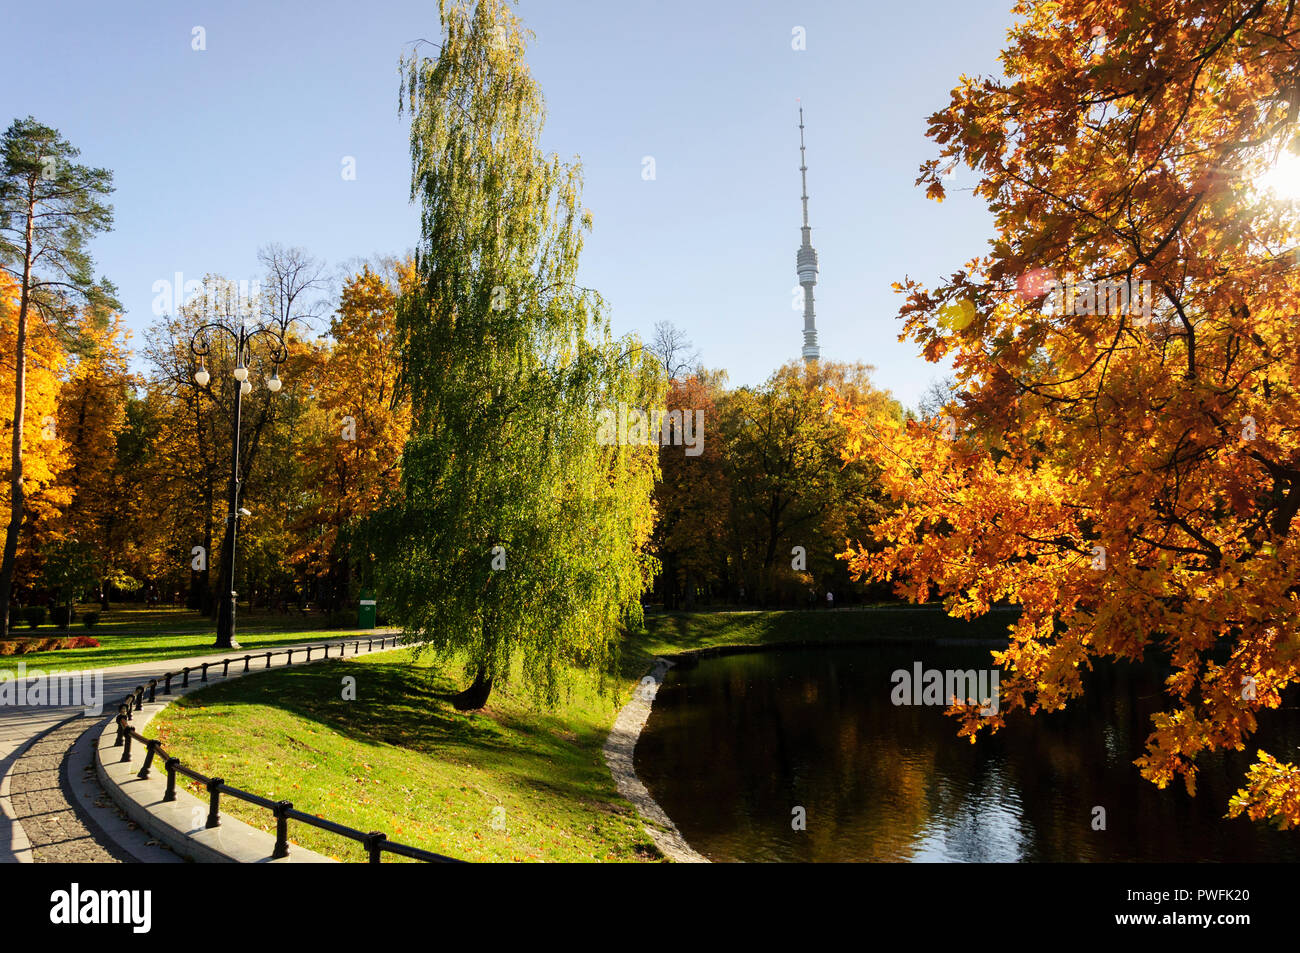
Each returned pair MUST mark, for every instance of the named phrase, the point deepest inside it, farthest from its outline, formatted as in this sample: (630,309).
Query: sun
(1283,177)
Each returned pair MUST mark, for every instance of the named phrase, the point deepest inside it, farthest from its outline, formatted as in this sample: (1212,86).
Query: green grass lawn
(130,617)
(400,759)
(129,648)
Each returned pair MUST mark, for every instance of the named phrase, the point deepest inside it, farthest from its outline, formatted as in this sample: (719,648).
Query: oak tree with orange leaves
(1122,460)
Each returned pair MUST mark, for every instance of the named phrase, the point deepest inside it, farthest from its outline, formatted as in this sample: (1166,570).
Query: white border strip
(619,748)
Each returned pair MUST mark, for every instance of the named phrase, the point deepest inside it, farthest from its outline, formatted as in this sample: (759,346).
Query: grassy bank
(683,631)
(509,783)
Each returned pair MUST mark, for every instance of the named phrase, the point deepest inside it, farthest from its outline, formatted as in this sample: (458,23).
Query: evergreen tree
(50,207)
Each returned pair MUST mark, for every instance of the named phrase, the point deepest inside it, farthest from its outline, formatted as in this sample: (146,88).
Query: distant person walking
(830,599)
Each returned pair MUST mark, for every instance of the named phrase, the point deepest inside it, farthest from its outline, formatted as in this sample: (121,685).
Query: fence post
(247,659)
(282,809)
(309,653)
(152,745)
(139,698)
(268,659)
(126,739)
(372,842)
(185,679)
(167,684)
(121,726)
(205,671)
(170,765)
(289,652)
(214,802)
(225,668)
(153,688)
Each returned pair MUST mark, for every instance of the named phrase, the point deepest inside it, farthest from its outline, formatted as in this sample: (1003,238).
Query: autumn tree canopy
(1128,475)
(350,446)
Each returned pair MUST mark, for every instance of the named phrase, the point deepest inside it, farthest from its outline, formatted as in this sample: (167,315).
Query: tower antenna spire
(803,169)
(806,261)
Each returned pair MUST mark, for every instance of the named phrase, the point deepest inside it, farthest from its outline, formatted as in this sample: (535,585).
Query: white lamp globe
(241,373)
(246,387)
(201,377)
(273,384)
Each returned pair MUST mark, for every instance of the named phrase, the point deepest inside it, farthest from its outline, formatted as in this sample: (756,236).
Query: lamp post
(200,347)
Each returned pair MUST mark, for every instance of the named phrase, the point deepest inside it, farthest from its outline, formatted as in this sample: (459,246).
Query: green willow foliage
(507,362)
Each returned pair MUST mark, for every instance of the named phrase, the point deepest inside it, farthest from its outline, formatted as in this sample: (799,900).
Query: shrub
(34,616)
(28,646)
(89,619)
(63,616)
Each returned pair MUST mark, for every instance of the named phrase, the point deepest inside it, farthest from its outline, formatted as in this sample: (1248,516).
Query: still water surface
(737,742)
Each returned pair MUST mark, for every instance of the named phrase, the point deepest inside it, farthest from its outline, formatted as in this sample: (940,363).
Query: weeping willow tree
(519,536)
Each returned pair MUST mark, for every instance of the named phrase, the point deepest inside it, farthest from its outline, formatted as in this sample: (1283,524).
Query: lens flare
(1283,178)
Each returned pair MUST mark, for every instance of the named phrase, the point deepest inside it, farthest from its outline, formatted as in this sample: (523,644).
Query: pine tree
(49,208)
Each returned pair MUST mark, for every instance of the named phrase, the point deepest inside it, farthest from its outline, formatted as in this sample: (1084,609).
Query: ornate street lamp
(200,347)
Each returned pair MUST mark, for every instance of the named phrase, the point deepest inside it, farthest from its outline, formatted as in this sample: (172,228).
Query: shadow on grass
(403,704)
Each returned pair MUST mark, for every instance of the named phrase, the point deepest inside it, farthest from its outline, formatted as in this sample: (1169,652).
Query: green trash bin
(366,610)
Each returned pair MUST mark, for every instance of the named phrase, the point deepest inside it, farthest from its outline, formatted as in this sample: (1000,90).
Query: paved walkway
(38,822)
(57,832)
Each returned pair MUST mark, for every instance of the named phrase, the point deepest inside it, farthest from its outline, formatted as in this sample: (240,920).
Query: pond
(737,743)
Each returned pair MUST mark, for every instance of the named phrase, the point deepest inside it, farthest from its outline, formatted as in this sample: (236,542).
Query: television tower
(806,264)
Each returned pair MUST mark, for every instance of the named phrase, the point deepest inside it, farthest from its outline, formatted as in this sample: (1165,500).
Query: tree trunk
(16,501)
(476,695)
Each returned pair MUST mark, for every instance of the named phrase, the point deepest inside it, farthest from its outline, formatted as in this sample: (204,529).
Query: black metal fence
(374,842)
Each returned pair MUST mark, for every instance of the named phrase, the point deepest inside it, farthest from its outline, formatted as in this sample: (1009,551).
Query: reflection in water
(736,743)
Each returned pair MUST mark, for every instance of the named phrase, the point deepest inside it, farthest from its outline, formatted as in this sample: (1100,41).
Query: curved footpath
(52,808)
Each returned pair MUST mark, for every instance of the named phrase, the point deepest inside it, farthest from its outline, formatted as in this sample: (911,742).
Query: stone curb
(100,813)
(619,749)
(180,823)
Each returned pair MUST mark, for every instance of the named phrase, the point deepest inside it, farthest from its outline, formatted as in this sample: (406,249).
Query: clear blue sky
(221,151)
